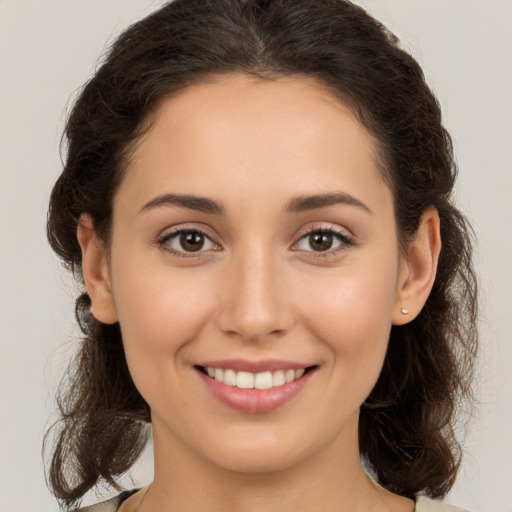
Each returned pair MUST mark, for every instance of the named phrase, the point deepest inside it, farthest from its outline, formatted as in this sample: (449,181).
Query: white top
(423,504)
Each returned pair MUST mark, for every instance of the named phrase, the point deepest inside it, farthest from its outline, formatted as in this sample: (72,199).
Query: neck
(324,482)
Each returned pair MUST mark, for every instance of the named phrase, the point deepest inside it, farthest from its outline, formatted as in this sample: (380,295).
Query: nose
(255,299)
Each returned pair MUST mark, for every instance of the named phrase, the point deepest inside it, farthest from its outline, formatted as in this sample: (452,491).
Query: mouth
(255,391)
(249,380)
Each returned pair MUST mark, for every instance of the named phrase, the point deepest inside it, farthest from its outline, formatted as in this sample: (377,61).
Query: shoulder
(426,504)
(110,505)
(423,504)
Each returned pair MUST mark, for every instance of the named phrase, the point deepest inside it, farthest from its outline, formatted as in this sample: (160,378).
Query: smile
(255,387)
(248,380)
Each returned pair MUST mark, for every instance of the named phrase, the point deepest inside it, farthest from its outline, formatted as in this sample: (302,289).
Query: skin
(258,290)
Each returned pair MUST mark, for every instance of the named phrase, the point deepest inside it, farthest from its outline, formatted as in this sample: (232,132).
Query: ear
(96,272)
(418,269)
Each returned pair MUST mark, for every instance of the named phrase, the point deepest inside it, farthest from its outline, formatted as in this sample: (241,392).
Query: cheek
(360,301)
(159,315)
(351,314)
(352,321)
(159,312)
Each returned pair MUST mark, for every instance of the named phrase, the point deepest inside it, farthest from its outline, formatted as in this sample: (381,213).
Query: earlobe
(96,272)
(419,269)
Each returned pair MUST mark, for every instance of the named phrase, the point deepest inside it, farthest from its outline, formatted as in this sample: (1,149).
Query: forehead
(253,134)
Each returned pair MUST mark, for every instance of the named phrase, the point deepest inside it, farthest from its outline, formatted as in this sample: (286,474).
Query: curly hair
(407,424)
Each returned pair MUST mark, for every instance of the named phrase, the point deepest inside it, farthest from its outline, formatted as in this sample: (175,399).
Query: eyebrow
(305,203)
(296,205)
(191,202)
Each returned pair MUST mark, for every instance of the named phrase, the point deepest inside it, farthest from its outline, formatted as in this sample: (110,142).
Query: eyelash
(163,241)
(345,242)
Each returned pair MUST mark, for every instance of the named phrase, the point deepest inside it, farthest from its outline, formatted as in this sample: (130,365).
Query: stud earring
(404,311)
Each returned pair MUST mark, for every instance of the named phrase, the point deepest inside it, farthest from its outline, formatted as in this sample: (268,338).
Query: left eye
(187,241)
(322,241)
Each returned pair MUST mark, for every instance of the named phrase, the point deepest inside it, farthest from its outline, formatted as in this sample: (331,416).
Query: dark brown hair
(407,423)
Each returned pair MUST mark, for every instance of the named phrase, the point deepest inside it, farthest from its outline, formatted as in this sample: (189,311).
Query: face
(254,239)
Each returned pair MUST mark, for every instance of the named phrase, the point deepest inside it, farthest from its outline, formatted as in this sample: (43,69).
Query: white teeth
(247,380)
(263,380)
(278,378)
(244,380)
(230,377)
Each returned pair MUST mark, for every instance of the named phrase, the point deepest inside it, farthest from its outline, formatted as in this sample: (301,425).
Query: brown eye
(321,241)
(192,241)
(187,241)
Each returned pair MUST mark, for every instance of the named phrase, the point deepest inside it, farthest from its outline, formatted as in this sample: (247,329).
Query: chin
(259,452)
(259,460)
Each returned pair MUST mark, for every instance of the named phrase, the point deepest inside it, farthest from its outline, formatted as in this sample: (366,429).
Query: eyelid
(167,235)
(343,235)
(346,239)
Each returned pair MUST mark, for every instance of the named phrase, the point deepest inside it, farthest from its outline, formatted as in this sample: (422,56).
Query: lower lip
(255,401)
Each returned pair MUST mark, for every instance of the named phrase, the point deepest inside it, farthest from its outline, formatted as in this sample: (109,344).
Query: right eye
(187,242)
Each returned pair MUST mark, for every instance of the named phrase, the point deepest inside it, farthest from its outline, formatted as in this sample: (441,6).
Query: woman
(256,199)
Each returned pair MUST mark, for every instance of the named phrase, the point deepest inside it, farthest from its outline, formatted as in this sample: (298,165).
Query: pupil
(192,242)
(320,241)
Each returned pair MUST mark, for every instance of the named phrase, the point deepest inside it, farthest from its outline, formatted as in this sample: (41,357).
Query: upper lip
(244,365)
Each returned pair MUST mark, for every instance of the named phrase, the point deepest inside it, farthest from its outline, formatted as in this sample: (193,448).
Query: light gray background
(47,50)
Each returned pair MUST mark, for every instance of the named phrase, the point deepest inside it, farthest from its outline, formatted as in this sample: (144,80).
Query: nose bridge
(253,305)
